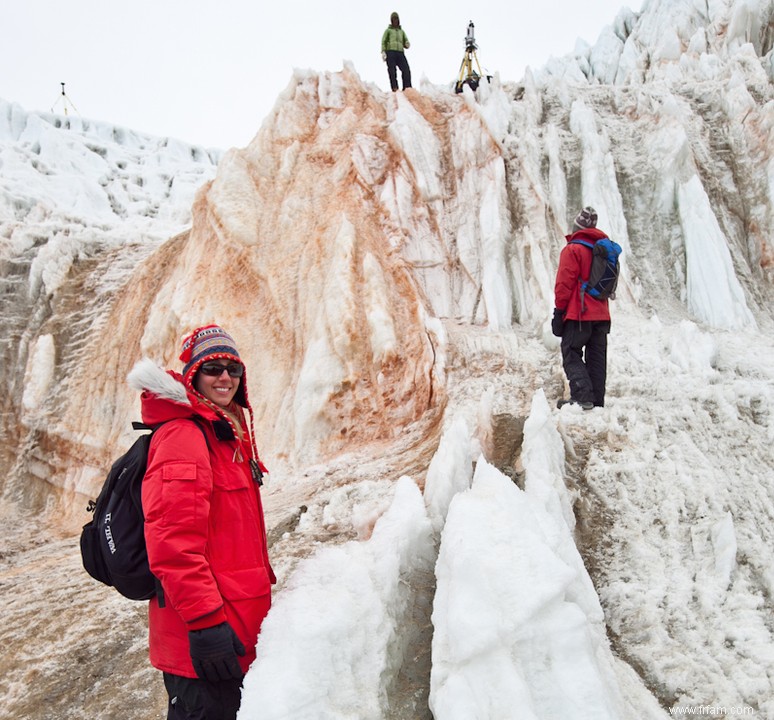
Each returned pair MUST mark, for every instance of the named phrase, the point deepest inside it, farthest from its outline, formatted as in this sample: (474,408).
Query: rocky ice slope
(389,263)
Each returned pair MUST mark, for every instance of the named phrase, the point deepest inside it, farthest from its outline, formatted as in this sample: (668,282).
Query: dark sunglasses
(215,369)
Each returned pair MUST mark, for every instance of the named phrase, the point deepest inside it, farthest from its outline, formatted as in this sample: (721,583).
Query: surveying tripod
(469,76)
(65,102)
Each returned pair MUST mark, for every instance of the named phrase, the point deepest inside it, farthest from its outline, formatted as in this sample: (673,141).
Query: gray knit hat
(586,218)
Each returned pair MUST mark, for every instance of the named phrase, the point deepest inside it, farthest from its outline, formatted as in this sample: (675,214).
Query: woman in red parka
(204,526)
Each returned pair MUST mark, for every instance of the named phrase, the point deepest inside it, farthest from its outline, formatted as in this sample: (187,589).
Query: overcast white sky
(208,72)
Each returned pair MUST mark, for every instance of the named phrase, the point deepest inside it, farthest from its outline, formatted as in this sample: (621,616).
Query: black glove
(214,653)
(557,322)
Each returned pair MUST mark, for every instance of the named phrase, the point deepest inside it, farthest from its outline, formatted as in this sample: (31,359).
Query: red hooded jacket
(574,268)
(204,525)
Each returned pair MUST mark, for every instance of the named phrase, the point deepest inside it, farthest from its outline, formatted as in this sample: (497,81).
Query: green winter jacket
(394,39)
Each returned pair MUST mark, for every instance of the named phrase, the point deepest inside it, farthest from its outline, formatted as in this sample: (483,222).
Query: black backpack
(113,543)
(605,267)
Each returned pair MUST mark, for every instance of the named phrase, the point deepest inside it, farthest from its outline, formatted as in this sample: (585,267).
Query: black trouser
(195,699)
(587,375)
(397,59)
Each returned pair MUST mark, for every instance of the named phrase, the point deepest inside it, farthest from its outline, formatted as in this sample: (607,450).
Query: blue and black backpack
(605,267)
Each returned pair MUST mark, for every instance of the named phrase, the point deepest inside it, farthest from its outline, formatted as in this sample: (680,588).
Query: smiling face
(219,389)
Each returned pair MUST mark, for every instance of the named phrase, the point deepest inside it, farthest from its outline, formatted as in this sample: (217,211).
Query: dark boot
(585,405)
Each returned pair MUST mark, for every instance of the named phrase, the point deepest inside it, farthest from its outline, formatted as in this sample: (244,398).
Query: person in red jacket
(204,526)
(584,324)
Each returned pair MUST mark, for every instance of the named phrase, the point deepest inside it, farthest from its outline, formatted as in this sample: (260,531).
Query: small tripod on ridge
(65,102)
(468,76)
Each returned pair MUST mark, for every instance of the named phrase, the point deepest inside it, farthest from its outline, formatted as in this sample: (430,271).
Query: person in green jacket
(394,42)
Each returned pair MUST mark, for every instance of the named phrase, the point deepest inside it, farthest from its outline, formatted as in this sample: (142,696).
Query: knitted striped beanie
(210,342)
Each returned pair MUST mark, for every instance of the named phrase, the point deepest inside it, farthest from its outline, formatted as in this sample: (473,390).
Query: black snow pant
(397,59)
(586,372)
(195,699)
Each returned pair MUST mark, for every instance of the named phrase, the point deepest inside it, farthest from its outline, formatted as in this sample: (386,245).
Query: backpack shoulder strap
(584,283)
(585,243)
(195,419)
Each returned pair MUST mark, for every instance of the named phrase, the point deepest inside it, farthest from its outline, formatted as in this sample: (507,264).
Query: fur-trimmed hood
(165,397)
(146,376)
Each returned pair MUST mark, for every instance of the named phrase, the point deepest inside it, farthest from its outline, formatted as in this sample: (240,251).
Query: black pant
(195,699)
(397,59)
(587,375)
